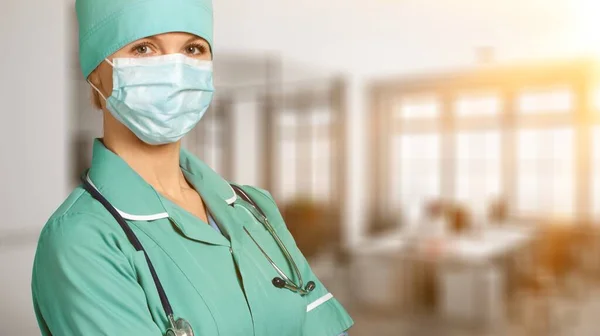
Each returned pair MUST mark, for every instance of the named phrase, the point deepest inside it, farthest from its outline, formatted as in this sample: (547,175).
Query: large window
(481,104)
(416,167)
(418,107)
(543,101)
(305,154)
(206,140)
(287,156)
(545,172)
(212,144)
(525,135)
(321,155)
(248,147)
(478,165)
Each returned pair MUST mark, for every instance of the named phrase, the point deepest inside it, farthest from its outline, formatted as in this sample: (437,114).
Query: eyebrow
(195,38)
(157,39)
(148,38)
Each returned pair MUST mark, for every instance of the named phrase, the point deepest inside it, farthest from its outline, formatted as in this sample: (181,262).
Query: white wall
(390,36)
(32,143)
(34,109)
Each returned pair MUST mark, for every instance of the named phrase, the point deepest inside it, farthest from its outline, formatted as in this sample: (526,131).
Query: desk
(384,265)
(473,276)
(377,269)
(490,244)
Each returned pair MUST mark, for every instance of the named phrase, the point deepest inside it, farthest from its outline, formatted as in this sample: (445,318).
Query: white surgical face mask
(160,98)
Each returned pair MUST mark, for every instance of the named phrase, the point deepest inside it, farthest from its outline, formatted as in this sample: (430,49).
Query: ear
(94,78)
(97,102)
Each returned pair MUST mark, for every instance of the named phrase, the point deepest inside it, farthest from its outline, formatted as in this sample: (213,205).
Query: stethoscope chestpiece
(180,327)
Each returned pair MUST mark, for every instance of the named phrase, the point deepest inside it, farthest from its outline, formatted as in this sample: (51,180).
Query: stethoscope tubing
(265,221)
(164,300)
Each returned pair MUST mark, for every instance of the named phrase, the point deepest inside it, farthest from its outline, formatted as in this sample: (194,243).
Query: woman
(154,240)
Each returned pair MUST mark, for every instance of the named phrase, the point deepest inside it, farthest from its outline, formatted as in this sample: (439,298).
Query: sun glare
(585,19)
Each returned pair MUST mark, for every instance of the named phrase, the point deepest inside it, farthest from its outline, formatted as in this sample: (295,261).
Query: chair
(312,225)
(498,211)
(458,218)
(544,280)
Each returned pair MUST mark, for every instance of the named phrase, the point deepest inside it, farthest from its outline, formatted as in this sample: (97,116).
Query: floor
(576,319)
(569,318)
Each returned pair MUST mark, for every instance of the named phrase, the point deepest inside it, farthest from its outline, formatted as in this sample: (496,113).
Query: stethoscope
(180,326)
(282,281)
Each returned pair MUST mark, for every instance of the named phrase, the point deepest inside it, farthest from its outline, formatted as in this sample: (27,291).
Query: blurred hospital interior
(438,162)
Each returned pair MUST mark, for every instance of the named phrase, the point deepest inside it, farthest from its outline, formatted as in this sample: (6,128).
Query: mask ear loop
(94,86)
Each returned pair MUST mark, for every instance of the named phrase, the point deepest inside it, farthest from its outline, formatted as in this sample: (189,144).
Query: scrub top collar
(134,198)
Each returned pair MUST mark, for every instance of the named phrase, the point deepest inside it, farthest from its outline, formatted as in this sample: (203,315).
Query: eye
(142,49)
(195,49)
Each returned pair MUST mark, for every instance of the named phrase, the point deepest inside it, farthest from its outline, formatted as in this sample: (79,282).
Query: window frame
(200,143)
(508,81)
(306,105)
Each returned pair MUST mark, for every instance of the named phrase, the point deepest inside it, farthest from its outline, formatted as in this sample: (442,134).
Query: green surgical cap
(106,26)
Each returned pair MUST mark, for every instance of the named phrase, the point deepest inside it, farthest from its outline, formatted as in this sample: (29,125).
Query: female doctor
(154,242)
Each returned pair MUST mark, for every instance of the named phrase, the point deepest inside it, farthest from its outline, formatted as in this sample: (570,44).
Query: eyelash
(138,46)
(201,47)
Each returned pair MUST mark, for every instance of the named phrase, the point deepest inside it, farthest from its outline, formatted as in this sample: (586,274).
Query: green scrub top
(89,280)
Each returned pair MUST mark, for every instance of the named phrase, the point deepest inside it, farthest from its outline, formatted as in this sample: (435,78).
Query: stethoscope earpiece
(280,283)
